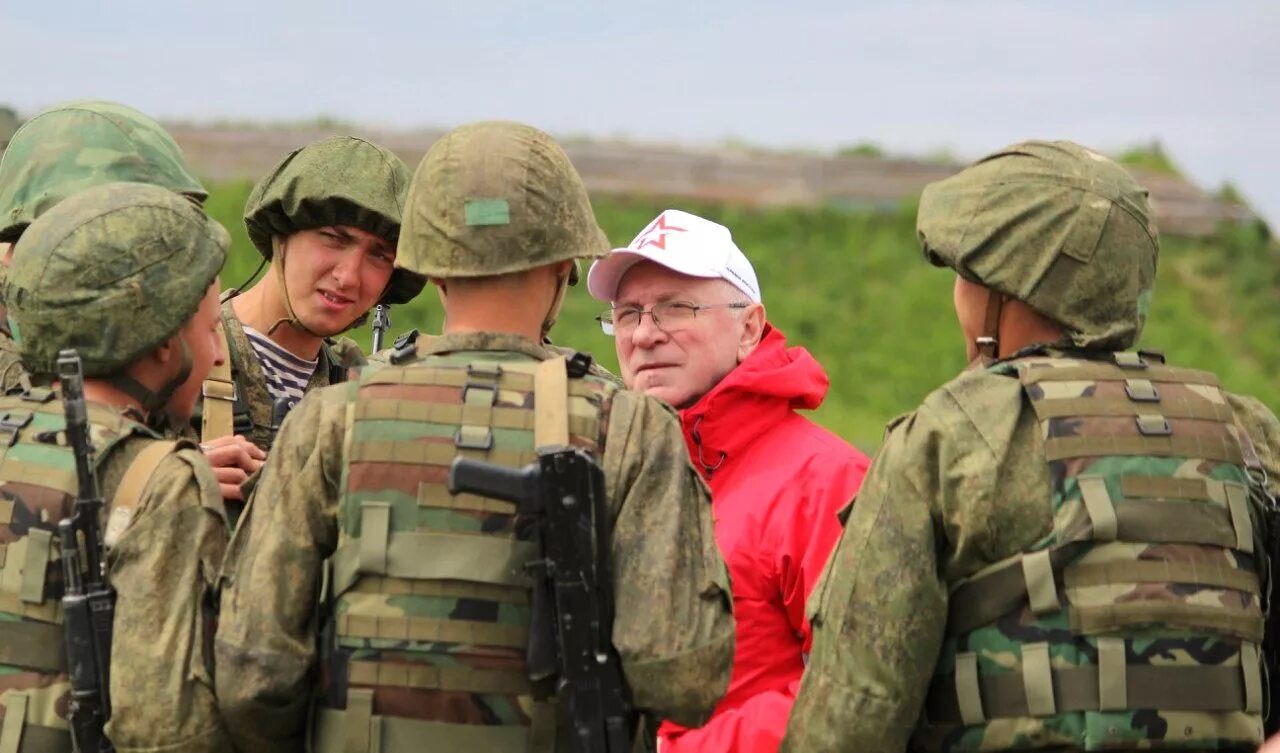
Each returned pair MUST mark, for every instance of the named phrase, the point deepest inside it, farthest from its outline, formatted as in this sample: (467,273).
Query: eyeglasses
(670,316)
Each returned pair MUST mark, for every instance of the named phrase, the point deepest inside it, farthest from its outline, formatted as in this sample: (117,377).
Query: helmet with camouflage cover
(495,197)
(342,180)
(77,145)
(1055,225)
(113,272)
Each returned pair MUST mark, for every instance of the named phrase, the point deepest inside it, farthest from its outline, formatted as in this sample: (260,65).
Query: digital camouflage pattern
(1054,225)
(112,272)
(389,438)
(342,180)
(496,197)
(163,565)
(77,145)
(962,484)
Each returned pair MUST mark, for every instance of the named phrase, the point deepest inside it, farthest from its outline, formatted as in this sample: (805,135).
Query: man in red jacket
(691,329)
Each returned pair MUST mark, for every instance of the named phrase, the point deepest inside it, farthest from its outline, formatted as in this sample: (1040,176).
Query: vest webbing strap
(1222,448)
(551,403)
(381,409)
(33,645)
(1246,624)
(427,629)
(424,555)
(35,565)
(1103,372)
(1004,695)
(373,584)
(1215,574)
(437,496)
(422,453)
(435,376)
(15,718)
(427,677)
(396,735)
(1101,406)
(140,470)
(37,474)
(217,412)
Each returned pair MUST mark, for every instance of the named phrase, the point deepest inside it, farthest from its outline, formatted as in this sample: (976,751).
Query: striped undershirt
(287,375)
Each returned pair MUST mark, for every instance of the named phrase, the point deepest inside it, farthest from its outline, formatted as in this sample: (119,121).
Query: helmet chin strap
(155,403)
(988,343)
(562,289)
(277,247)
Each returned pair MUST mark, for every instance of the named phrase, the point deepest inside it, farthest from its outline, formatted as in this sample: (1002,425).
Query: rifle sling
(551,403)
(219,392)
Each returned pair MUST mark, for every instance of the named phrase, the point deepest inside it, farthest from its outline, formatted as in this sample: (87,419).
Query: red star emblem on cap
(661,230)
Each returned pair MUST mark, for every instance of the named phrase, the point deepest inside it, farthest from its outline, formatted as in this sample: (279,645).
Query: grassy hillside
(855,290)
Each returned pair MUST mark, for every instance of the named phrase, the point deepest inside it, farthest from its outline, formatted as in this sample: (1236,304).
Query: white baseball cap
(681,242)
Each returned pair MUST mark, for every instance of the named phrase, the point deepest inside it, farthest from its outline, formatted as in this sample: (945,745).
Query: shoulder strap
(551,403)
(219,390)
(136,476)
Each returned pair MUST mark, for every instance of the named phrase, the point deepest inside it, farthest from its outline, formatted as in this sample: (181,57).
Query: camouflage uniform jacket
(673,627)
(11,368)
(163,564)
(254,406)
(959,484)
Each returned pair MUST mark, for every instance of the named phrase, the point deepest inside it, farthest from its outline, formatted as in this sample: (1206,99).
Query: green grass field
(855,290)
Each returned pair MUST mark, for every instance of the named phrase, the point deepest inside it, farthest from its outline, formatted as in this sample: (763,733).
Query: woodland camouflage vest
(1136,621)
(427,602)
(38,488)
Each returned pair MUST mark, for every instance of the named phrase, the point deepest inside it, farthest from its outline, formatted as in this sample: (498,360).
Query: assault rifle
(88,602)
(381,324)
(560,504)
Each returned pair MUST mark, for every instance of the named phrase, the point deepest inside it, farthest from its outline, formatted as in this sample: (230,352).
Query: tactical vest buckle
(578,364)
(1141,391)
(1126,360)
(405,338)
(1153,425)
(36,395)
(11,423)
(473,438)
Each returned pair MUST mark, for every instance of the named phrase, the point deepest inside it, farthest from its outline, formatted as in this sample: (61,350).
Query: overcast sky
(1203,77)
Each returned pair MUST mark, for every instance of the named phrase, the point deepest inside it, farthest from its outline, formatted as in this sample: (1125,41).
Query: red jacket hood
(773,381)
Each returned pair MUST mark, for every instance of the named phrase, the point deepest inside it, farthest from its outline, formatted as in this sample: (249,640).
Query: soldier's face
(201,335)
(679,362)
(335,275)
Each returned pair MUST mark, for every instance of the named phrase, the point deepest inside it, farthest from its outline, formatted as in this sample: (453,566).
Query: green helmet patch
(342,180)
(1055,225)
(113,272)
(496,197)
(77,145)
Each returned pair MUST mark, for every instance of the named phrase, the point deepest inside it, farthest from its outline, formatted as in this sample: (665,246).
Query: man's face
(335,275)
(201,336)
(678,363)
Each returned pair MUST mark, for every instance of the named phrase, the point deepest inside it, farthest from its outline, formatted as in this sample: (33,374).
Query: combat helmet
(77,145)
(1055,225)
(496,197)
(113,272)
(342,180)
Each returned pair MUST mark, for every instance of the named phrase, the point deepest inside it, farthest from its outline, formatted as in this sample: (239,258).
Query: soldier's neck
(105,393)
(260,307)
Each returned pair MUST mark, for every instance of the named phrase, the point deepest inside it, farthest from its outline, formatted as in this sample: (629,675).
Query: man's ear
(753,320)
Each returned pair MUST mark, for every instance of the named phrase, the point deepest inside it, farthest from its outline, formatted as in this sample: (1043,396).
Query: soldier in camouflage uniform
(125,273)
(425,608)
(68,148)
(1059,549)
(332,211)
